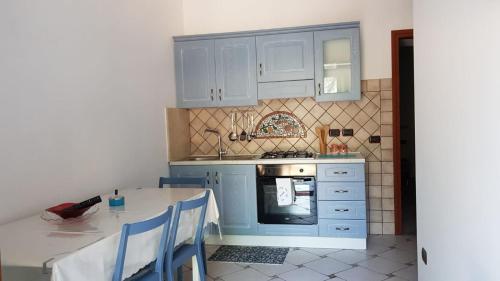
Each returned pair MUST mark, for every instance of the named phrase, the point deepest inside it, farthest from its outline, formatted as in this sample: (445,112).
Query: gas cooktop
(287,154)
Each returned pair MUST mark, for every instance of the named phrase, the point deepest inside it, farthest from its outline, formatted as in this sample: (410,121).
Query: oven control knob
(301,170)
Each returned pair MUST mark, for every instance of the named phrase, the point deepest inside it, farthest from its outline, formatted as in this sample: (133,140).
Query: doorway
(403,132)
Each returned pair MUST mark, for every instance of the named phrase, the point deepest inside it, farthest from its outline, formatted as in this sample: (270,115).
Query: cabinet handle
(260,69)
(342,228)
(220,94)
(208,178)
(341,191)
(342,210)
(340,173)
(212,94)
(319,89)
(216,178)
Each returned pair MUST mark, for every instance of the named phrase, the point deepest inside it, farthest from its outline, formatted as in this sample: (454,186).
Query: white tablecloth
(87,251)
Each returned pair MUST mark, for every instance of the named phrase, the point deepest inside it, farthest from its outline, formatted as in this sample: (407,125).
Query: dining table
(33,249)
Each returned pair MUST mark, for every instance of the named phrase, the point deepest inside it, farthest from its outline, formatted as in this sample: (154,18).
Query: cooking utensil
(233,135)
(253,133)
(249,127)
(321,133)
(243,135)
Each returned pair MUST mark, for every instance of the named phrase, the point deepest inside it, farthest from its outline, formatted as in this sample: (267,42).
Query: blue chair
(186,181)
(182,181)
(150,273)
(177,256)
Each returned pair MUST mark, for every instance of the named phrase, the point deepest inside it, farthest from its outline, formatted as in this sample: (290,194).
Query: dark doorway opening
(404,131)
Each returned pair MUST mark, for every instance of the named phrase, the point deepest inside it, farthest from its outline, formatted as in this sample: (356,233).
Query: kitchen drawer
(342,228)
(341,190)
(354,210)
(341,172)
(288,230)
(286,89)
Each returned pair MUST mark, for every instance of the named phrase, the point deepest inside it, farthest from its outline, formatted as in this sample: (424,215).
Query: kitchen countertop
(351,158)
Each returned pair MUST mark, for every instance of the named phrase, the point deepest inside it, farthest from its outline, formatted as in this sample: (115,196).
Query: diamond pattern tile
(248,274)
(381,265)
(327,266)
(363,116)
(361,274)
(350,256)
(302,274)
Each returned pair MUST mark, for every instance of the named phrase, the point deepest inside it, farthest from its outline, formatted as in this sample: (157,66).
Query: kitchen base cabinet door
(236,195)
(341,172)
(193,172)
(342,209)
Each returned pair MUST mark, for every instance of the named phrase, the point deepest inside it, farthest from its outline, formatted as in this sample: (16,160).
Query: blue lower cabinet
(287,230)
(341,172)
(341,191)
(355,210)
(193,172)
(235,190)
(342,228)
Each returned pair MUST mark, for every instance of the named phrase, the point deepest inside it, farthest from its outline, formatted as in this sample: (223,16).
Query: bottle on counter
(116,200)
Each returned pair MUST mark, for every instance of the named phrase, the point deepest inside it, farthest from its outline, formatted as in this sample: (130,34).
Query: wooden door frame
(396,35)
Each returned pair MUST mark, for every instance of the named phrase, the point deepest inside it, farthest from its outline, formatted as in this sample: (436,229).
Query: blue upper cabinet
(212,73)
(337,65)
(285,57)
(238,68)
(195,73)
(235,65)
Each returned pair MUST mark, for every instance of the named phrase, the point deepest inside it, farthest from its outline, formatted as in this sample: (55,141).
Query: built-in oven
(303,208)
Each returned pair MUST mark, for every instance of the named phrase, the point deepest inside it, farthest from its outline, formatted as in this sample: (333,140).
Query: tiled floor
(390,258)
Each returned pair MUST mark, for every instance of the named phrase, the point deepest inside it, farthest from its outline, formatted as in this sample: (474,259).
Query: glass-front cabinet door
(337,63)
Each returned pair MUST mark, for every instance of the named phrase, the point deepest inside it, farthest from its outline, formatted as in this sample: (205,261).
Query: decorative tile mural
(372,115)
(280,124)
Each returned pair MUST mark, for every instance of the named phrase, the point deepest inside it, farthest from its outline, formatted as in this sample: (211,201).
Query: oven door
(302,211)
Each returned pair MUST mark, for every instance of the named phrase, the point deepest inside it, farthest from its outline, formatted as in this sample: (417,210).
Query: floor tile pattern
(388,258)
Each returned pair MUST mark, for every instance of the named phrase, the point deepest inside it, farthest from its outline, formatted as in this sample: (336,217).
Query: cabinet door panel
(341,172)
(235,191)
(285,57)
(342,210)
(193,172)
(286,89)
(342,228)
(195,73)
(341,190)
(337,65)
(235,65)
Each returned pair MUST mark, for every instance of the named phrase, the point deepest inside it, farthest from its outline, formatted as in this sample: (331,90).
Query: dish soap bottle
(116,200)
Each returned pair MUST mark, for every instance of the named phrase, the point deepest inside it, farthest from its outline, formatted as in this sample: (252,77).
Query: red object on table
(64,211)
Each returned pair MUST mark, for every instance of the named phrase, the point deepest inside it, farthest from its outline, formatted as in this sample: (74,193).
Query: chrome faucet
(221,151)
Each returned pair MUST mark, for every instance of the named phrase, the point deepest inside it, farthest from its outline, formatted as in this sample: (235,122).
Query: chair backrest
(186,206)
(182,181)
(141,227)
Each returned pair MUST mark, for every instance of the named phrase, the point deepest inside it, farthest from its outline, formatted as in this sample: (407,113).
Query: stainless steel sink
(216,158)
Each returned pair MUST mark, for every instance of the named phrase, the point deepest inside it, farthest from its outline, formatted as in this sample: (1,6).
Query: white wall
(377,19)
(83,86)
(457,133)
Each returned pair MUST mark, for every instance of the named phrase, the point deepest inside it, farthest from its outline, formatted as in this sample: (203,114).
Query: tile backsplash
(370,116)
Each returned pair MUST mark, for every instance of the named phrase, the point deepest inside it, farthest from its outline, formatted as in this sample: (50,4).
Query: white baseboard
(288,241)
